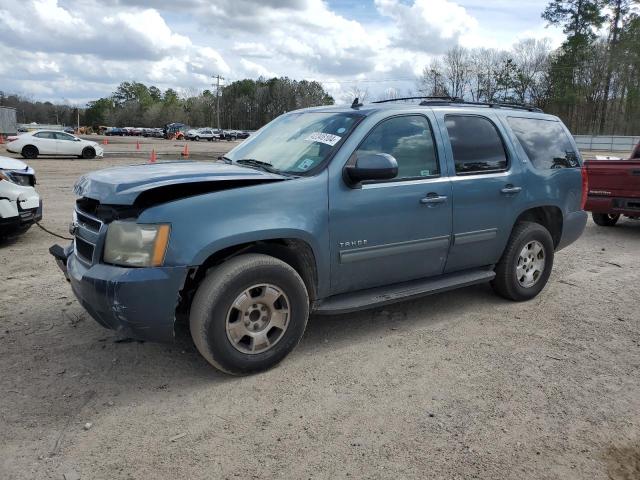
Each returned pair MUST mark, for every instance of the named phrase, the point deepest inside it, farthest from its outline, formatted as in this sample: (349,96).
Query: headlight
(136,245)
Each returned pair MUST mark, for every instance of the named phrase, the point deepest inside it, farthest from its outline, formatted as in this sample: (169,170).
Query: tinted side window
(409,140)
(45,135)
(545,142)
(64,136)
(476,144)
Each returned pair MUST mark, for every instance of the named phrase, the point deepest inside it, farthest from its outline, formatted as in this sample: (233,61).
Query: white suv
(53,142)
(20,204)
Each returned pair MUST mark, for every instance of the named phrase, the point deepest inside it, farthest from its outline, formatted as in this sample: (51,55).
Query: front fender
(205,224)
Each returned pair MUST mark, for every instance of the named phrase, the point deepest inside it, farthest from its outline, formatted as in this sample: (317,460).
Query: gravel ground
(457,385)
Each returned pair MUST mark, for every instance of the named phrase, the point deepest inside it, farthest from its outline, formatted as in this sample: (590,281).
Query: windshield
(296,142)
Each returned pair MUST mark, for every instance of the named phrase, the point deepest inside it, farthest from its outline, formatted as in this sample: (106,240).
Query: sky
(74,51)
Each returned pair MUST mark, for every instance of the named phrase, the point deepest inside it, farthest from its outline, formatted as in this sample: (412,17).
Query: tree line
(592,81)
(243,104)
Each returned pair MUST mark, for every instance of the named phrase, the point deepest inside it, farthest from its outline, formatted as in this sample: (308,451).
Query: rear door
(46,143)
(487,183)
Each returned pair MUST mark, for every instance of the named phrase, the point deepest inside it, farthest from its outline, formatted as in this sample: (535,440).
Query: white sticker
(305,164)
(325,138)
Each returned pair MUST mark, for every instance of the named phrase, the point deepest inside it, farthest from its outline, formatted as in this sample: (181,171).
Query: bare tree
(457,69)
(432,81)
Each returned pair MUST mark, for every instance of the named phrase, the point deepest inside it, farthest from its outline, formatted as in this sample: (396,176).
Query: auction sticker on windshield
(325,138)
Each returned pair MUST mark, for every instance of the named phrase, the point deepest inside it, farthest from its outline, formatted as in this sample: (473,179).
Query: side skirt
(379,296)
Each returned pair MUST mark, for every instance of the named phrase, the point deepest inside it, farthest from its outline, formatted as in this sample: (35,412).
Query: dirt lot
(457,385)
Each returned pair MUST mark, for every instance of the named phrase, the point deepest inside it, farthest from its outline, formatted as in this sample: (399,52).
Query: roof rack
(446,100)
(440,98)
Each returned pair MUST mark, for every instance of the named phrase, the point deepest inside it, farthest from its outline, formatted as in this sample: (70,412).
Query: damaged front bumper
(137,302)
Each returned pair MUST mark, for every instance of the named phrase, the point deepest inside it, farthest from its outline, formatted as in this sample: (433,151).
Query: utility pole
(217,85)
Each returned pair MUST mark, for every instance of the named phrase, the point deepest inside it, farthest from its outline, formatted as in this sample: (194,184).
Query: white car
(53,142)
(20,204)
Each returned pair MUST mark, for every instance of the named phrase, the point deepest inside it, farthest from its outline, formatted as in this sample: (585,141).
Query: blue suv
(325,210)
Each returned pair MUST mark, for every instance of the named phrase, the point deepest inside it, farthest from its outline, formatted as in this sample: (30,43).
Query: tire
(214,306)
(30,152)
(88,153)
(605,219)
(197,139)
(515,274)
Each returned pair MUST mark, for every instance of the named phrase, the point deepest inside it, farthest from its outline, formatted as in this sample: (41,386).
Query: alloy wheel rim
(258,318)
(530,264)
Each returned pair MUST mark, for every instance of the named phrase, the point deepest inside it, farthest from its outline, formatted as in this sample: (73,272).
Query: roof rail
(446,100)
(444,97)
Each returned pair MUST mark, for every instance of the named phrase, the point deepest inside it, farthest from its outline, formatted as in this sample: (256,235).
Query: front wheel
(88,153)
(526,263)
(605,219)
(249,313)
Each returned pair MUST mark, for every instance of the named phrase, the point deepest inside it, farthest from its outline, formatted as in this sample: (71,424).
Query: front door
(67,144)
(392,231)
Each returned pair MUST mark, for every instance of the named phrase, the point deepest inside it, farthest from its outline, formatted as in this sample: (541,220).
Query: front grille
(88,222)
(84,249)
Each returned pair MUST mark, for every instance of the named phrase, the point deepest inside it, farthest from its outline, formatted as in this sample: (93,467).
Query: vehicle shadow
(337,331)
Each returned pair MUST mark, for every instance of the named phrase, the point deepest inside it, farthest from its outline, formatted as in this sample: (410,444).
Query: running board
(376,297)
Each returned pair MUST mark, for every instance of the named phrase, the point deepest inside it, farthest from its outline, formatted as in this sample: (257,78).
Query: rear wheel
(30,152)
(605,219)
(526,263)
(88,153)
(197,139)
(249,313)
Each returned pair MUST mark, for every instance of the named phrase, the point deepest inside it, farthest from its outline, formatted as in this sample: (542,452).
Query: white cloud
(430,26)
(84,48)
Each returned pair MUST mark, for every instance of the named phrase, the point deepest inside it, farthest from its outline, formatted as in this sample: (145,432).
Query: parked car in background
(20,204)
(70,130)
(202,134)
(50,142)
(614,189)
(115,131)
(327,210)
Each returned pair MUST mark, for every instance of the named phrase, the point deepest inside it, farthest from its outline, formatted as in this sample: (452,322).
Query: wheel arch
(293,251)
(549,216)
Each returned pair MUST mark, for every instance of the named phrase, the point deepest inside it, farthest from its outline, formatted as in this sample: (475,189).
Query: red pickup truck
(614,189)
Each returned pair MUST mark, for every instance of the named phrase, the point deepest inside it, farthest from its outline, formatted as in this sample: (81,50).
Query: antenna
(356,103)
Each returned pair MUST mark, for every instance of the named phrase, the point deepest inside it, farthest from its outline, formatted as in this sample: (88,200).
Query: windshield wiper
(251,162)
(225,159)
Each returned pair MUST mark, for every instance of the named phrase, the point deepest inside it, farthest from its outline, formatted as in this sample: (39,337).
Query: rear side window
(545,142)
(476,144)
(49,135)
(409,140)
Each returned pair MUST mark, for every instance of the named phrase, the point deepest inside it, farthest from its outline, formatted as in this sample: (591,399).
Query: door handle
(433,199)
(511,189)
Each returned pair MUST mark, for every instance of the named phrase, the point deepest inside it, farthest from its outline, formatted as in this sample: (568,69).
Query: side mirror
(370,166)
(77,139)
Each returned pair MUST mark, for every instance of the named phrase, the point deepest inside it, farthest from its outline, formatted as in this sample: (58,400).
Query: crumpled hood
(7,163)
(123,185)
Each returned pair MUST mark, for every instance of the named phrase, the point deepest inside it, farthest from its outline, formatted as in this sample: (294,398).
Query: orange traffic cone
(1,139)
(138,145)
(154,157)
(185,151)
(105,142)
